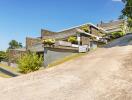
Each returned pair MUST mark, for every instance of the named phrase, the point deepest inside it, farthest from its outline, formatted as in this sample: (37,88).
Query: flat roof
(82,25)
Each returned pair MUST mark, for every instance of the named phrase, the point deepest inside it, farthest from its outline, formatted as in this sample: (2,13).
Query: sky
(25,18)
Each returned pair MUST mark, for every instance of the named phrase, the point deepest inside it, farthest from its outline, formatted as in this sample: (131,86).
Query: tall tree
(127,11)
(13,44)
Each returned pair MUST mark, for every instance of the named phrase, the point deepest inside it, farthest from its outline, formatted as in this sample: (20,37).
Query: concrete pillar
(78,39)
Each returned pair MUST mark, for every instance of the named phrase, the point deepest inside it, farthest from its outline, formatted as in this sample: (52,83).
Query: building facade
(66,42)
(114,26)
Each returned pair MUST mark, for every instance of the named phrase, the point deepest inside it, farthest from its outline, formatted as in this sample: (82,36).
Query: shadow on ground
(123,41)
(8,72)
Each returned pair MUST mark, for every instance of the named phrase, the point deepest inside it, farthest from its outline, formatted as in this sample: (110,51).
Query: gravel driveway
(101,75)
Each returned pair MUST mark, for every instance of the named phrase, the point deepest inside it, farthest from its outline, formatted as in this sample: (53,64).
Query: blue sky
(21,18)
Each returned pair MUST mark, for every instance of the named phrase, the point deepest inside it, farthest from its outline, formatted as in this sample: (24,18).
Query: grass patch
(12,69)
(4,75)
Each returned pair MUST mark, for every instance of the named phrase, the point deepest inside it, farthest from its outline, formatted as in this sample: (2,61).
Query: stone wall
(85,40)
(46,33)
(31,41)
(14,55)
(96,32)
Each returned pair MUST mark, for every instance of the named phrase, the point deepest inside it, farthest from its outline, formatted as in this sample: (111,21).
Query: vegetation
(4,75)
(12,69)
(3,55)
(13,44)
(85,28)
(130,24)
(115,35)
(29,63)
(49,42)
(72,39)
(127,11)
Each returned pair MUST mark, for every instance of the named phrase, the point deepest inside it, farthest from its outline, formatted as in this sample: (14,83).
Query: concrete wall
(51,55)
(93,45)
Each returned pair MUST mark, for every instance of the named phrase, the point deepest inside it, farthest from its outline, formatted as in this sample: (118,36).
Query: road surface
(105,74)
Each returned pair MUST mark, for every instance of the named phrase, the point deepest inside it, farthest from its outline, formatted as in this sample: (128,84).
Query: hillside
(105,74)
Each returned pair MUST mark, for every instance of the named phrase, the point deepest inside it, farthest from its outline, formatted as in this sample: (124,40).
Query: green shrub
(72,39)
(49,41)
(115,35)
(3,56)
(85,28)
(29,62)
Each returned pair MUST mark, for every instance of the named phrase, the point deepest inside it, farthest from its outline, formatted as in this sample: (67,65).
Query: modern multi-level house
(114,26)
(56,45)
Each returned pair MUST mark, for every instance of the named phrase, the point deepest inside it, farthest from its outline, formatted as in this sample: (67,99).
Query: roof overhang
(91,35)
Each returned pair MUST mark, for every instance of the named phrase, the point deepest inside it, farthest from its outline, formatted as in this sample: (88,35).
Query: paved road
(105,74)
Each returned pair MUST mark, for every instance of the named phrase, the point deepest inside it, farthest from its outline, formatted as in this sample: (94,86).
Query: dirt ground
(105,74)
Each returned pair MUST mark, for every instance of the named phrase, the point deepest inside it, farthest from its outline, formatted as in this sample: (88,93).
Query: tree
(121,17)
(3,55)
(20,45)
(129,22)
(127,11)
(13,44)
(30,62)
